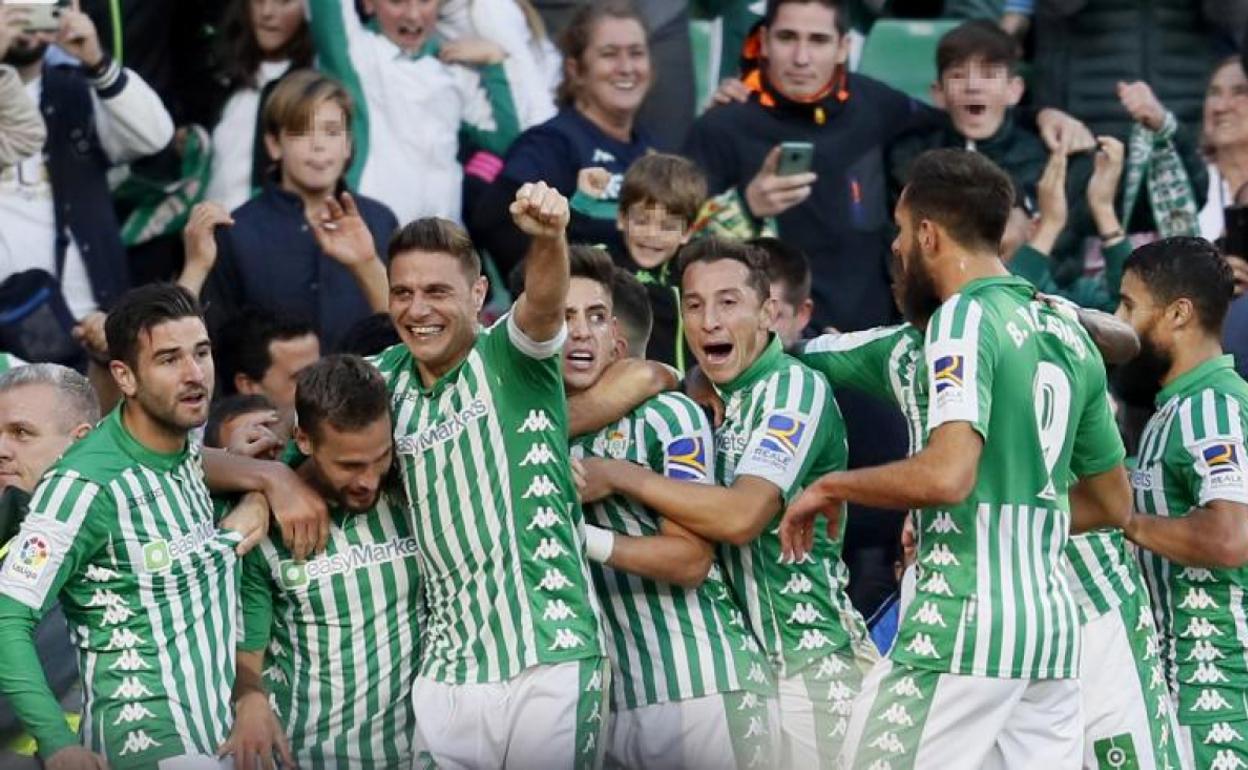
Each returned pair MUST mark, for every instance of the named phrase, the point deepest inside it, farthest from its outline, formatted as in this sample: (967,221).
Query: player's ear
(480,290)
(767,313)
(125,378)
(303,441)
(1182,313)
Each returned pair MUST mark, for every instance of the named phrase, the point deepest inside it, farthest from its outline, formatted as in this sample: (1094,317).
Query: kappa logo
(798,584)
(686,459)
(805,614)
(922,646)
(1197,575)
(133,712)
(131,688)
(554,580)
(1207,673)
(1222,733)
(942,524)
(130,662)
(897,715)
(783,434)
(541,486)
(97,574)
(928,615)
(813,639)
(558,610)
(275,673)
(535,422)
(906,688)
(749,644)
(880,764)
(565,639)
(938,585)
(756,728)
(889,742)
(1210,700)
(544,517)
(136,742)
(941,556)
(123,639)
(595,685)
(1200,628)
(1204,652)
(749,702)
(841,697)
(1227,759)
(830,667)
(105,598)
(1198,599)
(539,454)
(948,373)
(756,675)
(550,548)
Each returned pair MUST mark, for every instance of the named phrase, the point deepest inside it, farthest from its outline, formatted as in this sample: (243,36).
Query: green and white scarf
(1152,157)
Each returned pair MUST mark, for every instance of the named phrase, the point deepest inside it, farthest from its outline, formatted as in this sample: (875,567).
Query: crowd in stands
(262,154)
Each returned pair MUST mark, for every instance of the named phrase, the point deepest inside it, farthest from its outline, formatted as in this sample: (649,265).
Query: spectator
(240,421)
(22,132)
(56,213)
(531,55)
(281,251)
(1031,260)
(607,74)
(659,201)
(789,272)
(263,40)
(414,99)
(258,354)
(1225,142)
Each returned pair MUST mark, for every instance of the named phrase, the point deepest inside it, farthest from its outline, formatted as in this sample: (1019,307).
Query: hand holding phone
(772,191)
(795,158)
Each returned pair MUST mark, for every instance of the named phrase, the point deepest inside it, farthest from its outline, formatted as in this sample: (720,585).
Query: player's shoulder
(672,408)
(1216,409)
(97,458)
(843,342)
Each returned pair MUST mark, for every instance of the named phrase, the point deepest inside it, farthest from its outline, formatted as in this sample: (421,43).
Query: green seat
(902,53)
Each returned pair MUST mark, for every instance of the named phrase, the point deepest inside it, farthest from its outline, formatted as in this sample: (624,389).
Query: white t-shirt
(28,226)
(1212,220)
(233,140)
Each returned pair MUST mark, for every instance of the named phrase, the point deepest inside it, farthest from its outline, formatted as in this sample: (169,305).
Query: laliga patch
(949,379)
(686,459)
(780,443)
(1223,462)
(29,559)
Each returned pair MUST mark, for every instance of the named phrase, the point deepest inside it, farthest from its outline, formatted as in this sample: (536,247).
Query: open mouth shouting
(718,353)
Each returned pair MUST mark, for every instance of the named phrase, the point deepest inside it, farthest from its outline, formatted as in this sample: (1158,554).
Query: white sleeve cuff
(531,347)
(599,543)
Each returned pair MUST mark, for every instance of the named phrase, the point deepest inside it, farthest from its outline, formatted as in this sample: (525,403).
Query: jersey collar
(996,280)
(766,363)
(158,461)
(1195,375)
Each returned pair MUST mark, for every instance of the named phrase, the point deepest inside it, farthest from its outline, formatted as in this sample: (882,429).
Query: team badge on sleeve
(1224,464)
(783,434)
(686,459)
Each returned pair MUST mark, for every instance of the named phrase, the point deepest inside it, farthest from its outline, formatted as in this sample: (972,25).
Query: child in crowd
(978,86)
(659,201)
(294,250)
(416,99)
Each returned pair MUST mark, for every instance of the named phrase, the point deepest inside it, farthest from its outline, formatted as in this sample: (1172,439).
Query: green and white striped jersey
(341,635)
(126,537)
(781,424)
(992,596)
(1191,453)
(9,361)
(484,461)
(887,361)
(665,642)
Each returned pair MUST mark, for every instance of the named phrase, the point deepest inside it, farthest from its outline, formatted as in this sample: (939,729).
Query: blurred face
(591,344)
(1226,107)
(33,434)
(171,383)
(976,94)
(28,48)
(727,323)
(287,358)
(314,159)
(406,23)
(1139,380)
(791,320)
(613,75)
(275,23)
(652,234)
(434,306)
(1018,229)
(802,49)
(349,466)
(241,424)
(916,293)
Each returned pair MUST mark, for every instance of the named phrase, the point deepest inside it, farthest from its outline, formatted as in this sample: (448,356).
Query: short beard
(919,298)
(19,56)
(1138,381)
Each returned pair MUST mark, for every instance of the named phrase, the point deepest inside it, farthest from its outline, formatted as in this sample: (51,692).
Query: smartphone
(42,15)
(795,158)
(1236,243)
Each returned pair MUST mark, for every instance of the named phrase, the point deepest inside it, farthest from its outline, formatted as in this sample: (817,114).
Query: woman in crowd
(1226,142)
(264,39)
(606,76)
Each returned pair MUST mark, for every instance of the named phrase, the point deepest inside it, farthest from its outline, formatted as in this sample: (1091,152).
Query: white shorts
(547,718)
(728,731)
(815,706)
(925,720)
(1129,720)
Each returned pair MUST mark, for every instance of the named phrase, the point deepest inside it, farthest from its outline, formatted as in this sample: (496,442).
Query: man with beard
(781,430)
(984,667)
(331,644)
(122,530)
(56,211)
(1191,491)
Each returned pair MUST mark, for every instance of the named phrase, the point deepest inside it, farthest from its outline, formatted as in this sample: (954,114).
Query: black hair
(139,311)
(439,236)
(631,303)
(342,390)
(592,263)
(964,192)
(227,409)
(977,38)
(242,344)
(1186,268)
(788,266)
(716,249)
(838,7)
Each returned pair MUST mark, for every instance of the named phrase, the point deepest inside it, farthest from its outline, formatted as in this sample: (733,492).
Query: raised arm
(542,213)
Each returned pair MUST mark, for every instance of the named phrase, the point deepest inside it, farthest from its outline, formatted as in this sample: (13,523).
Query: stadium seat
(902,53)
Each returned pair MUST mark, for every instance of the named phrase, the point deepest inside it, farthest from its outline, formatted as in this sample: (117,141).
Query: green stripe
(333,53)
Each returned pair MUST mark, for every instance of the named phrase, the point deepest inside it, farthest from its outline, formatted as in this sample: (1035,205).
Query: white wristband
(599,543)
